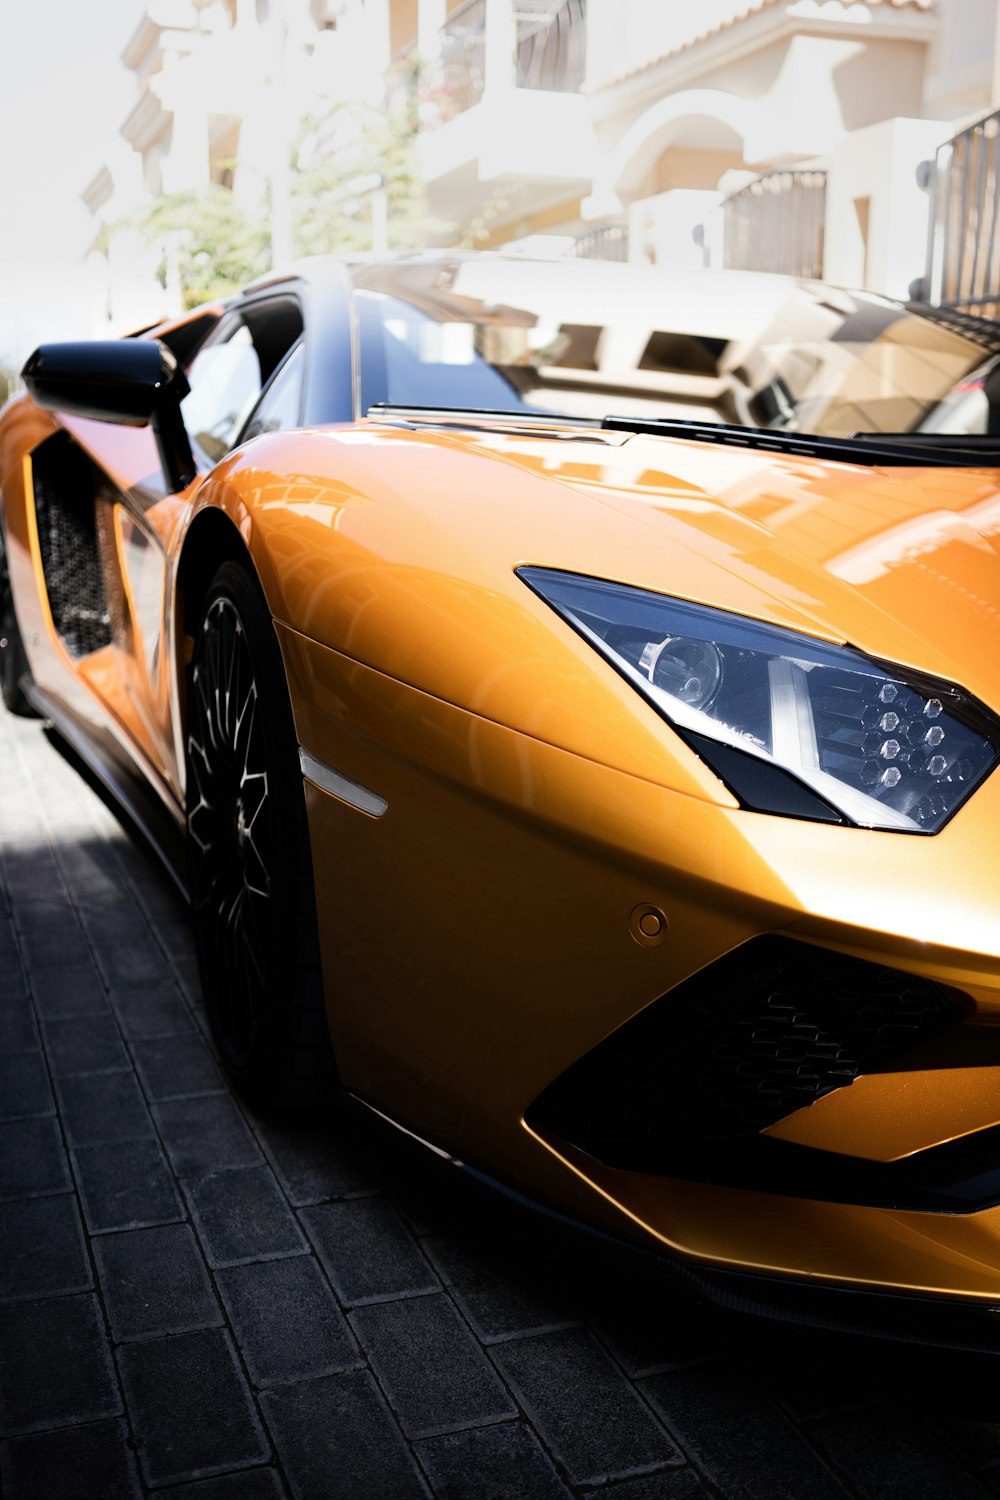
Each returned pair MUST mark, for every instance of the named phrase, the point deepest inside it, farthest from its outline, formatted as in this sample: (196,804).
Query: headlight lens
(876,745)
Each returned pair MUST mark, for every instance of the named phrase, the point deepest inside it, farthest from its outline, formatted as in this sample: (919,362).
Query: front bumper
(477,944)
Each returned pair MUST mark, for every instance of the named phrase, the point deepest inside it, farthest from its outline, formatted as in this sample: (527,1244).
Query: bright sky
(64,92)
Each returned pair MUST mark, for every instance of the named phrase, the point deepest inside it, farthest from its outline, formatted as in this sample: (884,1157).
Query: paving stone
(151,1010)
(125,956)
(888,1455)
(367,1252)
(84,1044)
(315,1159)
(669,1484)
(249,1484)
(89,870)
(491,1463)
(804,1372)
(154,1283)
(98,1107)
(54,1365)
(24,1086)
(75,991)
(432,1199)
(500,1297)
(32,1159)
(125,1186)
(39,901)
(177,1066)
(431,1368)
(739,1441)
(8,937)
(165,909)
(286,1320)
(74,1463)
(339,1425)
(648,1328)
(241,1215)
(955,1394)
(184,967)
(43,1250)
(204,1134)
(190,1408)
(588,1414)
(18,1032)
(52,940)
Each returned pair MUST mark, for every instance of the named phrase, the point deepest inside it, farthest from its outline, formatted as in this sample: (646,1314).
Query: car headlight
(792,725)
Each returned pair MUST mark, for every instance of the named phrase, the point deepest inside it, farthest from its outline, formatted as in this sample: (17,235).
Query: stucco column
(185,164)
(431,16)
(378,47)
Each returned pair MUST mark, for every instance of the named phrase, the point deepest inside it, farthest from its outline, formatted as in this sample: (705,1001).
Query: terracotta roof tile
(753,7)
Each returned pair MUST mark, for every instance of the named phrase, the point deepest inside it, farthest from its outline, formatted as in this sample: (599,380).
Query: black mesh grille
(66,487)
(769,1028)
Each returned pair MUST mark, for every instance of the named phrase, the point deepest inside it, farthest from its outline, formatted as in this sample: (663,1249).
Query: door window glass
(281,404)
(225,382)
(229,373)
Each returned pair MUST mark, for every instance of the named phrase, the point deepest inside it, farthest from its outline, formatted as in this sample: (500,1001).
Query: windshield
(593,339)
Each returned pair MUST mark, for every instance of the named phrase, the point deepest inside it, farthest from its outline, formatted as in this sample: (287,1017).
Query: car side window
(280,407)
(225,381)
(230,372)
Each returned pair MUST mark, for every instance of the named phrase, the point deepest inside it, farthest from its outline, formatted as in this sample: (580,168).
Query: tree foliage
(214,243)
(339,153)
(208,239)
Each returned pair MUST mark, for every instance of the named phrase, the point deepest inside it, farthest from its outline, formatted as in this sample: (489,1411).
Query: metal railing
(776,223)
(462,64)
(551,45)
(963,248)
(549,52)
(606,242)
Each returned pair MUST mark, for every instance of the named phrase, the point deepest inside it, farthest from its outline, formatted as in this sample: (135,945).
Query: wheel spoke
(229,828)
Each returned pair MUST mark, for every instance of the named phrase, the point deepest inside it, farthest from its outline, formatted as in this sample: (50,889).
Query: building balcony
(500,99)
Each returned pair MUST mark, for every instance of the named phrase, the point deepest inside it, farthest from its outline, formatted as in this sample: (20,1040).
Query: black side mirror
(127,381)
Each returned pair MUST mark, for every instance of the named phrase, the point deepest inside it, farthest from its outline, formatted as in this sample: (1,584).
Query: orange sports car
(569,695)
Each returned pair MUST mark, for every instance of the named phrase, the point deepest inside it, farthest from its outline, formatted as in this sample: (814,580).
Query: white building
(606,126)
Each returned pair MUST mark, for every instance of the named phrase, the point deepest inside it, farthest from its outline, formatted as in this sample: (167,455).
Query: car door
(104,529)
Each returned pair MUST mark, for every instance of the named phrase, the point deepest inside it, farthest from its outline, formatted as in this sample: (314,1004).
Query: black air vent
(66,486)
(771,1027)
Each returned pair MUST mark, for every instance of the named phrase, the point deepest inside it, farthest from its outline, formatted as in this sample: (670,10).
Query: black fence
(608,242)
(963,248)
(777,223)
(550,50)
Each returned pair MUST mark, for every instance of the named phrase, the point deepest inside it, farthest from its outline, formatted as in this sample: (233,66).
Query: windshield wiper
(862,448)
(525,415)
(959,442)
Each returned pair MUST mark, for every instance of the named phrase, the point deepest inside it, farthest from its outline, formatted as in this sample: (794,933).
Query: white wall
(879,164)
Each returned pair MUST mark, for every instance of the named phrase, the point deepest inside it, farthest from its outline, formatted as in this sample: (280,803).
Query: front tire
(249,863)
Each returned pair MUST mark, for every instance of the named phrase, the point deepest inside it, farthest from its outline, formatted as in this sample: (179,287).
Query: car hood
(902,563)
(398,545)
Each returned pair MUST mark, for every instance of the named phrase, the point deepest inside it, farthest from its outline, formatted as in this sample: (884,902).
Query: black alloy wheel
(249,864)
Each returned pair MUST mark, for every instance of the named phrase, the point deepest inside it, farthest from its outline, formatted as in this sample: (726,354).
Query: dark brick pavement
(204,1305)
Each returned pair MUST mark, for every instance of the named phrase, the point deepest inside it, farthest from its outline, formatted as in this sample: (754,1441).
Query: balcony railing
(963,253)
(776,223)
(607,242)
(551,50)
(462,62)
(549,53)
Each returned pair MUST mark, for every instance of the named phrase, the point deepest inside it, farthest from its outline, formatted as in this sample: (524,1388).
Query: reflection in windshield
(590,339)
